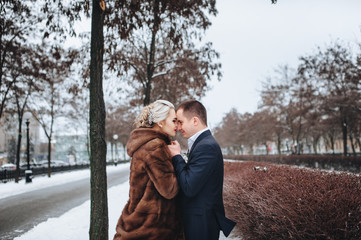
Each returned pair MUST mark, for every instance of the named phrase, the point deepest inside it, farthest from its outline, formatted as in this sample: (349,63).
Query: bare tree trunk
(20,111)
(98,177)
(344,135)
(49,156)
(116,150)
(112,150)
(147,92)
(358,143)
(352,144)
(332,142)
(279,141)
(88,140)
(18,149)
(315,146)
(2,105)
(267,150)
(150,64)
(251,149)
(124,152)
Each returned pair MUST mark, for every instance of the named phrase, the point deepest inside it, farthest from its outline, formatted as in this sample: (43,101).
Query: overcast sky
(255,36)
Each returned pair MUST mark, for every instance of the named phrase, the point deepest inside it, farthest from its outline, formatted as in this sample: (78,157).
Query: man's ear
(160,124)
(195,121)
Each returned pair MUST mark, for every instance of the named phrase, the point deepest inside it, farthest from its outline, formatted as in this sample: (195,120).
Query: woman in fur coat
(151,211)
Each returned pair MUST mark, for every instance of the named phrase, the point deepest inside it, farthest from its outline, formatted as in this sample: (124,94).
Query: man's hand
(174,148)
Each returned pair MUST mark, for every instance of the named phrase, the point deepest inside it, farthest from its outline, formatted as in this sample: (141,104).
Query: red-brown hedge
(285,202)
(328,162)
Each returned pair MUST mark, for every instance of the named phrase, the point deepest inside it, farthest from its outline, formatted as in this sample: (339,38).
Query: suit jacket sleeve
(193,175)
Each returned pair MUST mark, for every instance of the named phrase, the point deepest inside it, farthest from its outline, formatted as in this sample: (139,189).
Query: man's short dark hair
(193,108)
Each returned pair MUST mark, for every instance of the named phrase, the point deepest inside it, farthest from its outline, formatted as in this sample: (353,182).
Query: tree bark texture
(344,133)
(150,64)
(49,156)
(18,149)
(98,177)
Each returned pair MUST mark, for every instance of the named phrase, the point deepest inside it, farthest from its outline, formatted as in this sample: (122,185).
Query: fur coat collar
(141,136)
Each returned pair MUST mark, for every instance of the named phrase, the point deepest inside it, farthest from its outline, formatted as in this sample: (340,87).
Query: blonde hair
(153,113)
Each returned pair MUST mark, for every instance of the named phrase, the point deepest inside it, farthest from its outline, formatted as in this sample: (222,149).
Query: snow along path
(42,181)
(74,224)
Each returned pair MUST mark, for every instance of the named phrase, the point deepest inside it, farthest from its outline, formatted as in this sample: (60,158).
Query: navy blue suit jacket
(201,181)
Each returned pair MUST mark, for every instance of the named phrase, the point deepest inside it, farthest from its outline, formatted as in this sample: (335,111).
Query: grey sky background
(254,37)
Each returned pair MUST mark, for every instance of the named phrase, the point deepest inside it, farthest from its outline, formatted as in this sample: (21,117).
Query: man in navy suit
(200,177)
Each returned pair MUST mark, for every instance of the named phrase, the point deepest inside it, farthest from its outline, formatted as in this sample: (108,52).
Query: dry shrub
(285,202)
(329,162)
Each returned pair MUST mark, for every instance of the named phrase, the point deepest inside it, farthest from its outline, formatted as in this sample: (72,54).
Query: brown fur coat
(151,211)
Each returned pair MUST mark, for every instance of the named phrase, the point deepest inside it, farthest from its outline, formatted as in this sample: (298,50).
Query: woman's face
(169,125)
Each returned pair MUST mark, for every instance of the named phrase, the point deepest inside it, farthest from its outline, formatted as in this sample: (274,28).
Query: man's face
(185,125)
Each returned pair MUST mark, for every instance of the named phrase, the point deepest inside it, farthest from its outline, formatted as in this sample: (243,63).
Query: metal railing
(9,175)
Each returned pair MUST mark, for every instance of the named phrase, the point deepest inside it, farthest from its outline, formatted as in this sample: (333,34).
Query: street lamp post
(28,172)
(27,144)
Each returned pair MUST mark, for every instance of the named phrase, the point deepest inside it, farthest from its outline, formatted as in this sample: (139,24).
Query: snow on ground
(74,224)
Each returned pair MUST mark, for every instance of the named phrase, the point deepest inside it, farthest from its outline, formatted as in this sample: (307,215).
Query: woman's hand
(174,148)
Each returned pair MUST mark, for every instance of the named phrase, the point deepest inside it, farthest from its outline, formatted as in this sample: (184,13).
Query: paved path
(20,213)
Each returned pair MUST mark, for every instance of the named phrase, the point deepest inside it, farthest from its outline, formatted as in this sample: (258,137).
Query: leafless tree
(16,23)
(275,98)
(228,132)
(49,103)
(178,73)
(23,73)
(339,81)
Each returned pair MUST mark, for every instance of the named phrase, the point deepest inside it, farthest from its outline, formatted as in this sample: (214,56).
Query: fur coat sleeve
(160,169)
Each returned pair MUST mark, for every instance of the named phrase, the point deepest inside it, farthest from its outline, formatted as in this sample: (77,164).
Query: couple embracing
(171,197)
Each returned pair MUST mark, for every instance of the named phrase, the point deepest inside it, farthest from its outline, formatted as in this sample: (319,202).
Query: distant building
(71,148)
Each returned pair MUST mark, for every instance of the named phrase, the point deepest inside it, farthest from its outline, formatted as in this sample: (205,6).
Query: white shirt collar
(192,139)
